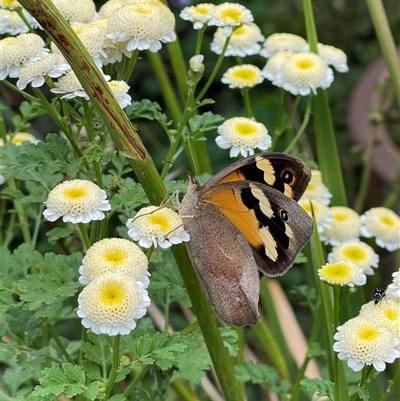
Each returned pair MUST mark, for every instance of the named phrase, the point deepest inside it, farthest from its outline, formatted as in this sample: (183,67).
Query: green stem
(22,217)
(82,227)
(247,104)
(392,383)
(137,380)
(178,66)
(58,341)
(337,376)
(129,64)
(114,367)
(302,128)
(214,71)
(386,42)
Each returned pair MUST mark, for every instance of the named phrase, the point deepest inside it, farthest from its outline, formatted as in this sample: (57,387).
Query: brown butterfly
(243,221)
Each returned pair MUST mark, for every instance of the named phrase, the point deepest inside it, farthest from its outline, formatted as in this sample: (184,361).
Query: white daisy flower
(11,23)
(345,226)
(363,342)
(76,11)
(111,303)
(319,211)
(77,201)
(333,56)
(358,252)
(283,42)
(114,255)
(157,226)
(243,41)
(53,66)
(120,90)
(196,63)
(242,135)
(229,16)
(344,272)
(142,26)
(69,87)
(385,314)
(274,64)
(384,225)
(242,76)
(20,137)
(199,15)
(18,52)
(317,190)
(303,73)
(393,290)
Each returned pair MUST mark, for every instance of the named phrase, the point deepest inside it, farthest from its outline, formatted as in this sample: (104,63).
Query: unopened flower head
(243,42)
(317,190)
(363,342)
(344,272)
(196,63)
(111,303)
(199,15)
(279,42)
(53,66)
(393,290)
(319,211)
(76,11)
(385,314)
(345,226)
(69,87)
(384,225)
(114,255)
(358,252)
(303,73)
(334,57)
(242,76)
(229,16)
(120,90)
(274,64)
(20,51)
(77,201)
(142,26)
(157,226)
(242,135)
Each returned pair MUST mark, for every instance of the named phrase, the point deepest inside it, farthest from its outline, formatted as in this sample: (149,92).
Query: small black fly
(378,294)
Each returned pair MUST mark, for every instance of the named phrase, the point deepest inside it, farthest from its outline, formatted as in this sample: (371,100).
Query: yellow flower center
(305,64)
(75,193)
(160,220)
(392,314)
(245,74)
(231,14)
(337,270)
(367,333)
(112,294)
(202,9)
(245,129)
(115,256)
(388,221)
(355,254)
(143,9)
(340,216)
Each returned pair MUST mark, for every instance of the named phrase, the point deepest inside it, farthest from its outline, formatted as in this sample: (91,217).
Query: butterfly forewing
(276,227)
(287,174)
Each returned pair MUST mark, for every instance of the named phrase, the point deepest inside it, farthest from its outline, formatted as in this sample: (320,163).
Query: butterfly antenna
(181,168)
(191,154)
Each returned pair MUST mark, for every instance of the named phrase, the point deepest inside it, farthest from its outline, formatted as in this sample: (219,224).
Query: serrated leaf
(229,337)
(92,391)
(321,387)
(97,350)
(205,122)
(362,393)
(59,232)
(117,397)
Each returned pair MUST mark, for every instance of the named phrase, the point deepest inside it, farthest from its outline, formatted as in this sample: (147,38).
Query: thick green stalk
(328,157)
(129,143)
(386,42)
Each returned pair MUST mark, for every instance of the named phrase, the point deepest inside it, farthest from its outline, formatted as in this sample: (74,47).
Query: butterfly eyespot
(284,215)
(287,176)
